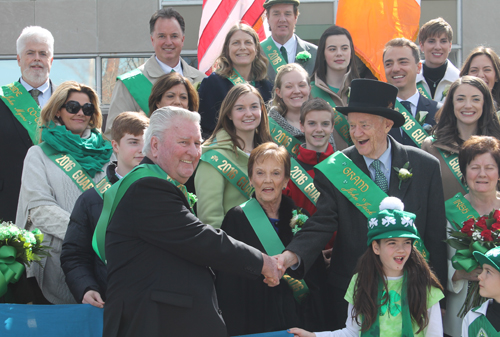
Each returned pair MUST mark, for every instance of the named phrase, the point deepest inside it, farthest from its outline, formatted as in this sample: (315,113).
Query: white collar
(413,99)
(288,44)
(43,88)
(167,69)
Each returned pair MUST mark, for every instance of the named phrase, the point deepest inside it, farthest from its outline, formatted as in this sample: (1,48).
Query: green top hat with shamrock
(492,257)
(391,222)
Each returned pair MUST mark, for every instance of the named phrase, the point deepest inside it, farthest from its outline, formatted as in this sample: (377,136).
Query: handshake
(275,266)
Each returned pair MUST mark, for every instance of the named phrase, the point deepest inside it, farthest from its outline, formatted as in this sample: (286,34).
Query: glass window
(113,67)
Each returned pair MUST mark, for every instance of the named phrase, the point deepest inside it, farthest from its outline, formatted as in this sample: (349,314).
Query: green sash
(357,187)
(102,186)
(115,194)
(303,181)
(458,210)
(237,79)
(341,124)
(273,54)
(139,87)
(422,90)
(70,166)
(482,327)
(283,137)
(271,242)
(230,171)
(412,128)
(451,160)
(23,107)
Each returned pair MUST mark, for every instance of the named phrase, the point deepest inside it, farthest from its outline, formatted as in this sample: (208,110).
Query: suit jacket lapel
(358,160)
(399,158)
(301,46)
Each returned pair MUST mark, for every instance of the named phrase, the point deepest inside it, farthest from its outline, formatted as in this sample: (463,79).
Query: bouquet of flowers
(480,235)
(18,248)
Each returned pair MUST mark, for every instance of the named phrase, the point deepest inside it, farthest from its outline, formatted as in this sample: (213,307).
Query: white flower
(388,220)
(477,236)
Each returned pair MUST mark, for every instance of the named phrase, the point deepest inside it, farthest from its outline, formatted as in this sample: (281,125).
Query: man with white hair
(20,105)
(158,253)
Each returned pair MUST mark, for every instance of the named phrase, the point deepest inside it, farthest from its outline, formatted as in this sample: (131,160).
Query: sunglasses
(73,107)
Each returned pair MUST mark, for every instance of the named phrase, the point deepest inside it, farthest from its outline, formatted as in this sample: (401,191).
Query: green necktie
(172,71)
(380,179)
(35,93)
(284,54)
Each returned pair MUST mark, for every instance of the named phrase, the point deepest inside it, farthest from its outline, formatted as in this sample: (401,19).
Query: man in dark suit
(158,252)
(282,16)
(370,118)
(402,65)
(35,50)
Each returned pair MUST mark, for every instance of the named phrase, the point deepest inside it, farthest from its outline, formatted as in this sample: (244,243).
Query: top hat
(375,98)
(492,257)
(392,222)
(270,3)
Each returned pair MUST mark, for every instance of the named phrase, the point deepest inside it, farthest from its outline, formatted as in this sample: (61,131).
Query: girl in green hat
(404,299)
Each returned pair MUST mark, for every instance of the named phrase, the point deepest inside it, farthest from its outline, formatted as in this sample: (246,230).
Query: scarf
(91,153)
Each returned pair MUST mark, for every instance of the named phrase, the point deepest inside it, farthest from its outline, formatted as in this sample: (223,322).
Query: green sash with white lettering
(23,107)
(102,186)
(70,166)
(273,54)
(283,137)
(451,160)
(230,171)
(422,90)
(271,242)
(357,187)
(115,194)
(139,87)
(412,128)
(303,181)
(341,124)
(458,210)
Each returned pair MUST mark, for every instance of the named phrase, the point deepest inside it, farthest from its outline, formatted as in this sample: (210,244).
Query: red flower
(481,223)
(496,215)
(486,234)
(467,228)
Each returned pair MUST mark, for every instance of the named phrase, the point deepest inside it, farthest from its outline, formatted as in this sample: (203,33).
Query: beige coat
(451,186)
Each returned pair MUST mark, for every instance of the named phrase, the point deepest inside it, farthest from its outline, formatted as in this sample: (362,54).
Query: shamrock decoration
(404,173)
(394,308)
(297,221)
(303,57)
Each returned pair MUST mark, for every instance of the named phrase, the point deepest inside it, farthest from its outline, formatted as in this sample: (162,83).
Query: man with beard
(20,106)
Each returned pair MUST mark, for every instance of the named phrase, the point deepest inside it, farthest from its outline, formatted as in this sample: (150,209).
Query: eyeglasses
(73,107)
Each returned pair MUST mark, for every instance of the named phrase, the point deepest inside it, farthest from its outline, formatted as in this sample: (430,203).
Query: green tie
(284,54)
(380,179)
(172,71)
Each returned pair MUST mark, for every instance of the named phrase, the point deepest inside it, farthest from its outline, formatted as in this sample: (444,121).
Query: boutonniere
(303,57)
(192,199)
(298,220)
(445,92)
(421,115)
(404,173)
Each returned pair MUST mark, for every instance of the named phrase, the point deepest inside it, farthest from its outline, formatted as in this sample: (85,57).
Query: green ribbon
(464,260)
(102,186)
(411,126)
(340,120)
(238,79)
(283,137)
(273,54)
(451,160)
(303,181)
(23,107)
(139,87)
(271,242)
(10,269)
(422,90)
(458,209)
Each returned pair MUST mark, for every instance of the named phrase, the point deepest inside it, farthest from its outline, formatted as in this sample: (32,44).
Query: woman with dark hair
(71,159)
(479,161)
(221,180)
(250,306)
(241,61)
(173,90)
(467,111)
(484,63)
(334,70)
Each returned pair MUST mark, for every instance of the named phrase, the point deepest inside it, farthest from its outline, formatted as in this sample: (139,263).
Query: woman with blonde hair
(241,61)
(221,180)
(71,158)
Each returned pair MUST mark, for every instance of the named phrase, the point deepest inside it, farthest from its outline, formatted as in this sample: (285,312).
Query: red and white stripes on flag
(217,18)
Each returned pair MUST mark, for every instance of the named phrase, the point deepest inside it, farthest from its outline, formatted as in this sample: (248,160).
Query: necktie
(284,54)
(35,93)
(172,71)
(407,106)
(380,179)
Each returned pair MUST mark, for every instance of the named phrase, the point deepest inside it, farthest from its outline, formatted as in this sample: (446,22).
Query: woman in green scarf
(71,158)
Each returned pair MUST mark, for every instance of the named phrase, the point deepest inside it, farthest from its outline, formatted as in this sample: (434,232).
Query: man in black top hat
(371,116)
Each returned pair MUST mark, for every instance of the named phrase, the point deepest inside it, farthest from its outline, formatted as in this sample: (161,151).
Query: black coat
(14,144)
(250,306)
(83,269)
(157,253)
(213,90)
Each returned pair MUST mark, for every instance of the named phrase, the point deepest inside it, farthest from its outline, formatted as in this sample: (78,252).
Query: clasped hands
(275,266)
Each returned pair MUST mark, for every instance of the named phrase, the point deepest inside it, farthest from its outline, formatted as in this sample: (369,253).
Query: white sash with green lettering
(357,187)
(23,107)
(303,181)
(273,54)
(412,128)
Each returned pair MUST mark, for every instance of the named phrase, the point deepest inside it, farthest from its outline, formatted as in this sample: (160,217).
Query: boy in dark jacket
(84,270)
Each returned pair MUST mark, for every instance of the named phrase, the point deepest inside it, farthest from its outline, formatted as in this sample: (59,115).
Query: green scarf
(91,153)
(407,328)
